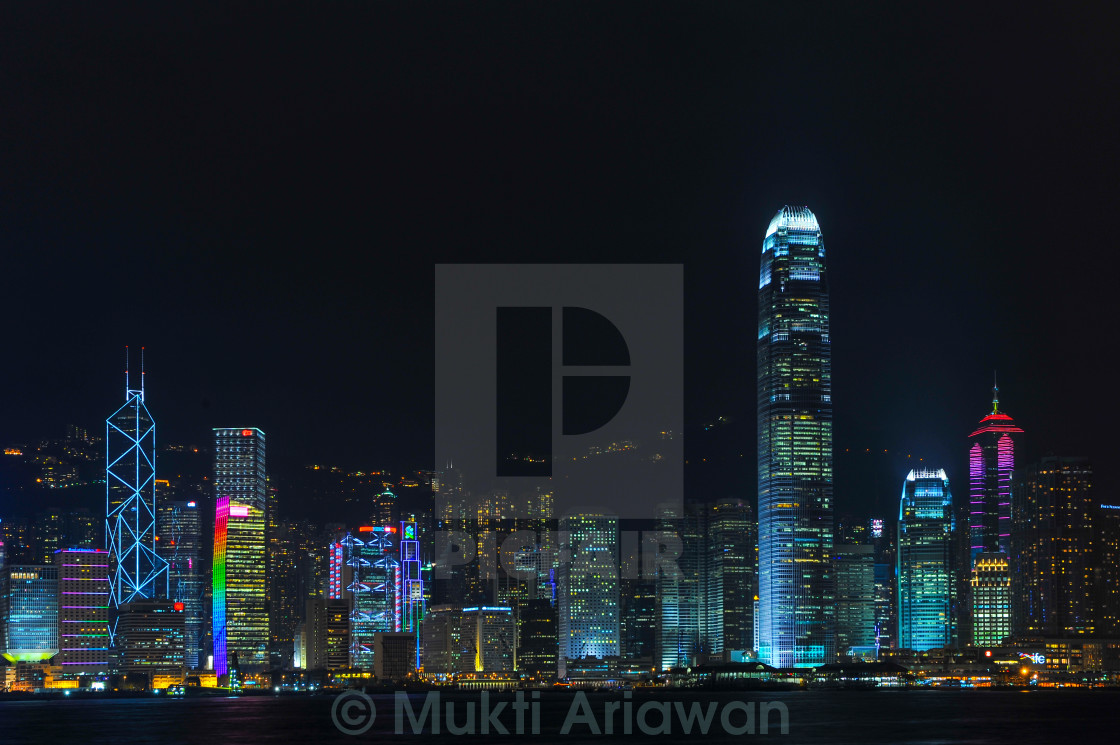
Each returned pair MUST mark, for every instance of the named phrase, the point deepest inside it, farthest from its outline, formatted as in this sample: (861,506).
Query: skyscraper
(795,509)
(587,590)
(28,613)
(137,572)
(732,540)
(240,616)
(854,569)
(926,570)
(83,611)
(991,460)
(1052,537)
(180,544)
(682,599)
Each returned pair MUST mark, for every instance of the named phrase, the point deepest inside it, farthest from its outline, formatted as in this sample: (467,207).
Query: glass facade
(137,572)
(795,510)
(29,613)
(588,587)
(991,462)
(180,543)
(83,611)
(239,476)
(1054,555)
(926,571)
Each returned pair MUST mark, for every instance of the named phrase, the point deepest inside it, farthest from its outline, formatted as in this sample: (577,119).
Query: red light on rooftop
(246,433)
(391,529)
(179,606)
(365,529)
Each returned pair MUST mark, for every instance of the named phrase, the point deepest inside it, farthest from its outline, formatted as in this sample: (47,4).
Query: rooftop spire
(995,393)
(126,386)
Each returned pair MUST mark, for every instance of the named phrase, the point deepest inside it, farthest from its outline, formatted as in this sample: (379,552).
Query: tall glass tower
(991,461)
(240,613)
(588,587)
(795,521)
(136,571)
(926,576)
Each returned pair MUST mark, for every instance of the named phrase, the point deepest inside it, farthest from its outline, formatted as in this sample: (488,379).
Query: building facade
(795,509)
(1054,558)
(83,611)
(991,463)
(29,613)
(150,640)
(588,588)
(179,525)
(240,607)
(854,569)
(926,570)
(137,571)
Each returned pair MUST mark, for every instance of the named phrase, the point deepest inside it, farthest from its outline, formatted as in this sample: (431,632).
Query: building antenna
(995,393)
(126,371)
(141,373)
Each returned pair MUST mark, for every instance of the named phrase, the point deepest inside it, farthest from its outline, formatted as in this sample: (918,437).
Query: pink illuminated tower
(991,461)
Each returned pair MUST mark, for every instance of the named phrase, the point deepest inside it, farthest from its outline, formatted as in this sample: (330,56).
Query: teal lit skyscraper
(795,510)
(588,588)
(926,571)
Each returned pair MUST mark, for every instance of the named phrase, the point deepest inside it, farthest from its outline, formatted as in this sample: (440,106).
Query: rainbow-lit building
(796,610)
(240,603)
(991,461)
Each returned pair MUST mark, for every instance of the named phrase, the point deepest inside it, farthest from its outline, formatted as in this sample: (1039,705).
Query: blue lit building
(136,571)
(926,570)
(796,614)
(28,613)
(587,589)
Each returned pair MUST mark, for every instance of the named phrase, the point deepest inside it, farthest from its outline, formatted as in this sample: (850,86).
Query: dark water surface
(825,717)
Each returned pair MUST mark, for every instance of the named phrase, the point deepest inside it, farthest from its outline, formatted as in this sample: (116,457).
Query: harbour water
(903,717)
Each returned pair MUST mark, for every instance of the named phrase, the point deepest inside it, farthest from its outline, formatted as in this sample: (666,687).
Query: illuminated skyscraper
(854,569)
(240,615)
(180,544)
(1053,554)
(83,611)
(587,591)
(28,613)
(795,510)
(150,636)
(991,461)
(137,572)
(926,570)
(732,541)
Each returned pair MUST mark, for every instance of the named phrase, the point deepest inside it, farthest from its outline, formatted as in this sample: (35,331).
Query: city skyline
(944,225)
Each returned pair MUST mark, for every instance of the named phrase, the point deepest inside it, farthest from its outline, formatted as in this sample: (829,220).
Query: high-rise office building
(137,572)
(488,636)
(1053,575)
(536,641)
(991,598)
(150,641)
(1106,545)
(240,606)
(732,541)
(991,461)
(795,509)
(854,569)
(83,611)
(926,570)
(28,613)
(179,526)
(587,588)
(686,615)
(372,585)
(884,540)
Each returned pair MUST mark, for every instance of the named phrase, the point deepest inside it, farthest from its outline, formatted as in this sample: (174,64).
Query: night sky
(259,195)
